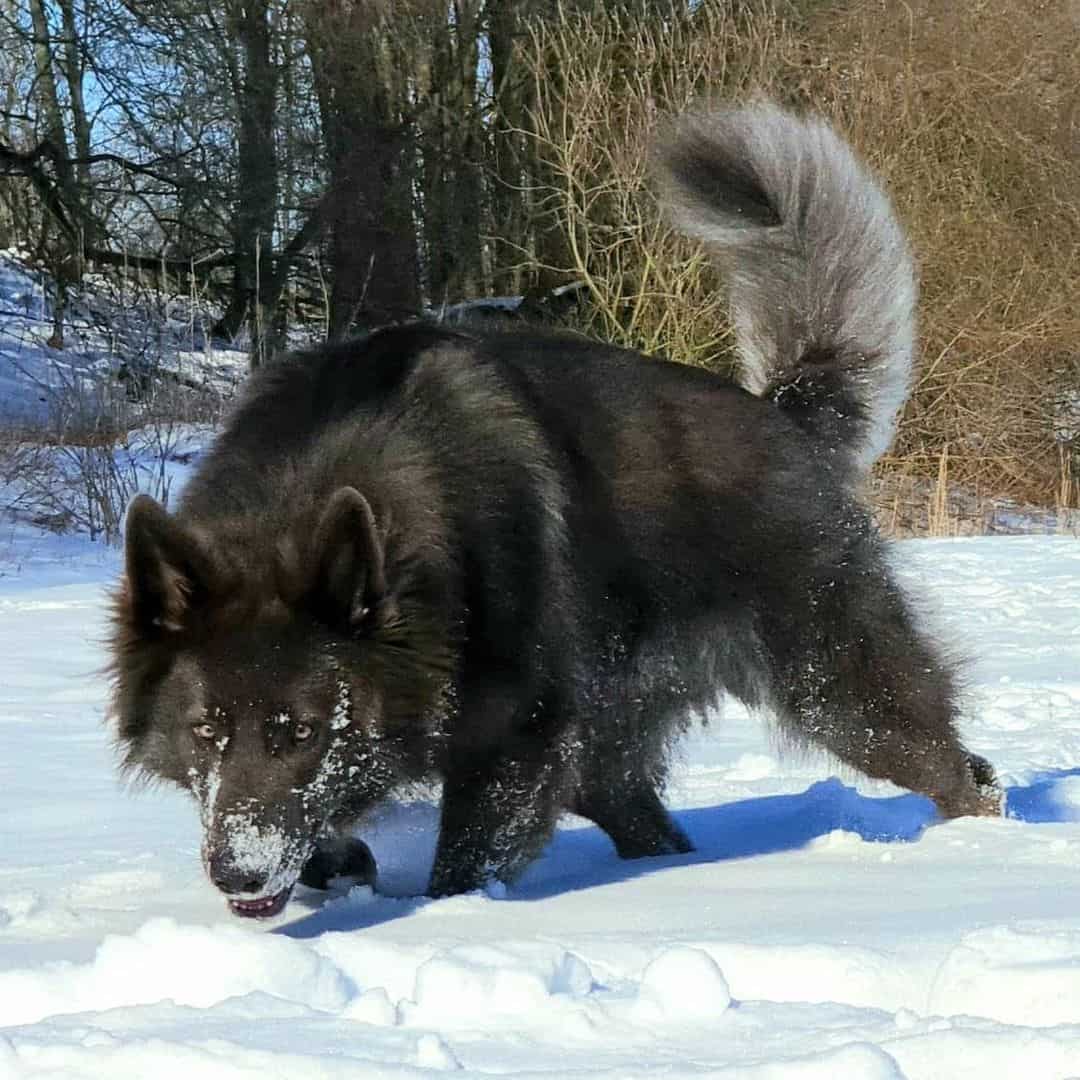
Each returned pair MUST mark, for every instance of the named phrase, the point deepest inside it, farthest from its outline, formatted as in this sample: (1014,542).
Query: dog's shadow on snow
(1051,796)
(583,857)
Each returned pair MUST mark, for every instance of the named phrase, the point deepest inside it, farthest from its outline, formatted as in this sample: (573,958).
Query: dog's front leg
(497,815)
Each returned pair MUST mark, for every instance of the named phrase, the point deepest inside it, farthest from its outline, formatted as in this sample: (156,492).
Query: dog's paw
(989,799)
(349,859)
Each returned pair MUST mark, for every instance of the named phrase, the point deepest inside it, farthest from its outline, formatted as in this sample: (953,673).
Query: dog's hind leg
(855,676)
(623,767)
(628,808)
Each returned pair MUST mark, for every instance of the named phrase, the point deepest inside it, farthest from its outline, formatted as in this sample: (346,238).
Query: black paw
(669,841)
(982,770)
(349,858)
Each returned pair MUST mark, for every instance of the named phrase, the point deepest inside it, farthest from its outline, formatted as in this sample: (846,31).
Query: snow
(825,927)
(682,983)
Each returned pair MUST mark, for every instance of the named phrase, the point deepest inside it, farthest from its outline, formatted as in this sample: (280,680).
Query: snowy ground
(821,930)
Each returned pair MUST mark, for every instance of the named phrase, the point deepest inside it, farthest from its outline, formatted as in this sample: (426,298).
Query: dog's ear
(169,570)
(350,575)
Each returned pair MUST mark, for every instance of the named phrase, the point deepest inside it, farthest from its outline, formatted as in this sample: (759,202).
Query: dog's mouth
(264,908)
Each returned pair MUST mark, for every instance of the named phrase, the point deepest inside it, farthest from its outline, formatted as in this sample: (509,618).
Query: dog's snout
(233,880)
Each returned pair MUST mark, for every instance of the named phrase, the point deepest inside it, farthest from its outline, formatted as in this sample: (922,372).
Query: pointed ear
(169,570)
(350,576)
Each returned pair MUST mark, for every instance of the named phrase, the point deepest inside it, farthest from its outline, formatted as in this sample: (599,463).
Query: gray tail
(822,283)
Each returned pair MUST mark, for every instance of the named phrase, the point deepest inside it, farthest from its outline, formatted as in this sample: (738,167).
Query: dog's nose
(233,880)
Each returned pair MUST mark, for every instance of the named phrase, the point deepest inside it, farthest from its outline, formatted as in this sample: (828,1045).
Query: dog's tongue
(263,908)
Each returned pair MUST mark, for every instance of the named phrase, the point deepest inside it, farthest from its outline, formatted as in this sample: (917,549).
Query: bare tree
(452,122)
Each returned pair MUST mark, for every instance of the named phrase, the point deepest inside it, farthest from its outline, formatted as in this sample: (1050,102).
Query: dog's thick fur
(519,562)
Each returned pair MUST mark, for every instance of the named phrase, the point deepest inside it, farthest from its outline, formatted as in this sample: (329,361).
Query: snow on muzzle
(253,861)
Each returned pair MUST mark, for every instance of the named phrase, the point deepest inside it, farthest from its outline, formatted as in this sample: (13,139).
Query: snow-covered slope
(822,929)
(112,324)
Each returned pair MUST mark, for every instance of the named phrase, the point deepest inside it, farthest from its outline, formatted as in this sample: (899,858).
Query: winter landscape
(825,927)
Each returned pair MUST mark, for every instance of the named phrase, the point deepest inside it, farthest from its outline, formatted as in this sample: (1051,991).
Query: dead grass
(971,113)
(621,71)
(908,503)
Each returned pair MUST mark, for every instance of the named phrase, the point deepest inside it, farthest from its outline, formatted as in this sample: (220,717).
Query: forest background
(312,168)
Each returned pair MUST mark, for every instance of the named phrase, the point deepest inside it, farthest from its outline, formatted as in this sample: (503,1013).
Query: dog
(519,563)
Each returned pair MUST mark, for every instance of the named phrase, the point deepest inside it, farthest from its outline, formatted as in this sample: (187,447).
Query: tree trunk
(63,251)
(255,87)
(510,195)
(369,147)
(73,75)
(453,152)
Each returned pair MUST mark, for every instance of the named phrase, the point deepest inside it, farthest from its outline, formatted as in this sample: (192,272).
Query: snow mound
(683,983)
(1016,975)
(475,985)
(842,974)
(190,965)
(433,1053)
(372,1007)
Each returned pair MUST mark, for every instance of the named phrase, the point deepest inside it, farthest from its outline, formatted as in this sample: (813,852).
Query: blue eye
(205,731)
(303,731)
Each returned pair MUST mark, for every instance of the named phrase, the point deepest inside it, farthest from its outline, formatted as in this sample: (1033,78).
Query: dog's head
(273,689)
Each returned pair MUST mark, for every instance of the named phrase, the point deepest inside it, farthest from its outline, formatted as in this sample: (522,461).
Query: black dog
(519,562)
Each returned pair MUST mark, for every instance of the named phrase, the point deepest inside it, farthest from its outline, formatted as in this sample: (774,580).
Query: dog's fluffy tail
(821,280)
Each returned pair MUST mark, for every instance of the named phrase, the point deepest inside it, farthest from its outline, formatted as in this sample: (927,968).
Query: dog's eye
(303,732)
(204,731)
